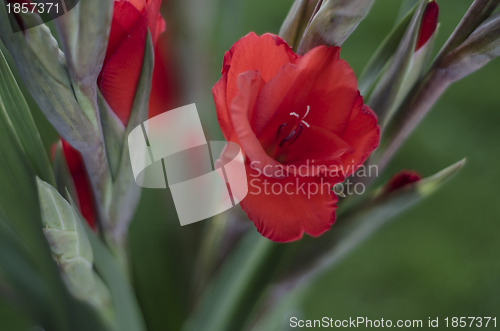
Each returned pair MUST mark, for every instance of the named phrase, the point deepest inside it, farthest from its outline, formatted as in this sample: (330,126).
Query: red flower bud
(428,24)
(81,182)
(120,74)
(401,179)
(123,62)
(302,126)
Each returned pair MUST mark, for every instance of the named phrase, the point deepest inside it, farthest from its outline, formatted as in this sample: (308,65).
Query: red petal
(272,94)
(125,53)
(265,54)
(223,116)
(73,157)
(314,144)
(325,85)
(401,179)
(155,22)
(140,5)
(241,109)
(81,182)
(285,216)
(85,200)
(363,135)
(125,17)
(164,95)
(120,74)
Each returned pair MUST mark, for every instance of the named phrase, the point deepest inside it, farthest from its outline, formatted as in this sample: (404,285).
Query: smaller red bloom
(428,24)
(401,179)
(302,125)
(122,65)
(120,74)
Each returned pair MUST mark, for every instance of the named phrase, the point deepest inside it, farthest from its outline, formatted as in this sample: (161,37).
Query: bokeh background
(439,258)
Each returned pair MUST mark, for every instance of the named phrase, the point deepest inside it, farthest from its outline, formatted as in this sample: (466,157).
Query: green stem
(235,289)
(208,252)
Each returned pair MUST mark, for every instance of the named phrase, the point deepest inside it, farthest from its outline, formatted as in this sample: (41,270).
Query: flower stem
(237,286)
(412,111)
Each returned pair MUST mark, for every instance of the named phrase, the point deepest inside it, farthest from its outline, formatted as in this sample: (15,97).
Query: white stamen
(307,112)
(302,119)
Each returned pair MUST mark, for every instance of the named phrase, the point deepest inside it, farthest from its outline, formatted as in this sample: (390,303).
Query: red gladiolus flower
(120,74)
(401,179)
(428,24)
(302,126)
(123,62)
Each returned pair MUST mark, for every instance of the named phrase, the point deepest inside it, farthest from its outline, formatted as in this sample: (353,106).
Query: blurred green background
(440,258)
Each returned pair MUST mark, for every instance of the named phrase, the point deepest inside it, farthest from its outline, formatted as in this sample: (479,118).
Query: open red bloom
(302,126)
(120,74)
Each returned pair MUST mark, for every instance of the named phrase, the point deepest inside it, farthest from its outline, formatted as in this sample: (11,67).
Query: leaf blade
(16,110)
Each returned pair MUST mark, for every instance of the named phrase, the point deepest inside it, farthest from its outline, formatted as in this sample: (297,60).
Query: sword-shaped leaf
(41,66)
(383,54)
(17,114)
(384,95)
(479,11)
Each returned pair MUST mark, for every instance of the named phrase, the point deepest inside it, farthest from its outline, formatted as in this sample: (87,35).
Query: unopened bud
(428,24)
(400,180)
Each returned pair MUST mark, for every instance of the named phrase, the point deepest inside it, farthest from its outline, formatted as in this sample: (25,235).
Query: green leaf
(290,28)
(71,249)
(16,268)
(18,200)
(418,67)
(127,311)
(479,11)
(334,23)
(479,49)
(385,93)
(17,113)
(41,66)
(139,112)
(228,298)
(85,47)
(482,46)
(25,260)
(85,43)
(114,134)
(382,55)
(159,249)
(71,109)
(64,180)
